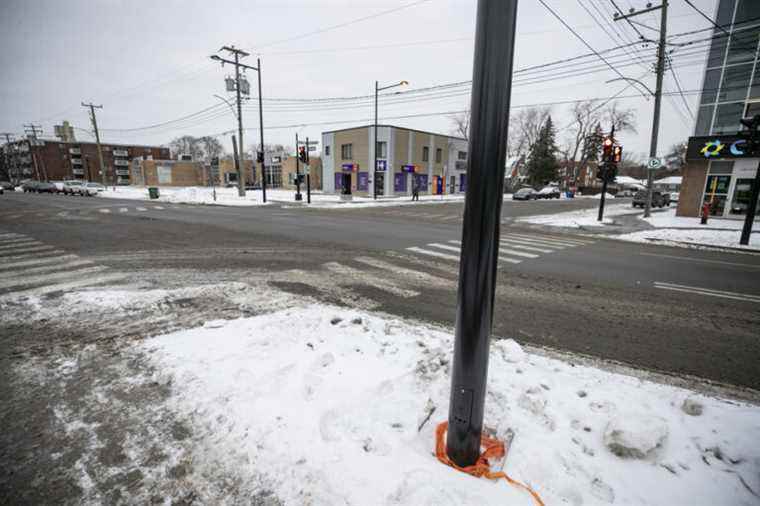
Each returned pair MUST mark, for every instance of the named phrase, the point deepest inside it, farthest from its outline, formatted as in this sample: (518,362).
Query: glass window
(743,46)
(753,108)
(382,149)
(425,153)
(725,12)
(748,11)
(717,50)
(735,83)
(704,119)
(438,155)
(327,150)
(721,167)
(742,197)
(710,91)
(727,118)
(346,151)
(716,193)
(754,91)
(462,155)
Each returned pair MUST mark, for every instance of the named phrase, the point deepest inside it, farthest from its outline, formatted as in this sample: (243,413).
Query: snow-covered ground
(186,195)
(668,219)
(337,406)
(581,218)
(693,237)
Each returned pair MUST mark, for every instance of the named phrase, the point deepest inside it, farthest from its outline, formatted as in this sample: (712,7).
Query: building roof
(394,126)
(59,141)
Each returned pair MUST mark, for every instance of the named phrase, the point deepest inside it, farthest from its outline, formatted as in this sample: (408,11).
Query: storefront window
(716,193)
(735,82)
(727,118)
(742,197)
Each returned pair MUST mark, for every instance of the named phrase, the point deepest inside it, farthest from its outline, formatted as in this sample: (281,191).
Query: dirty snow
(581,218)
(327,403)
(186,195)
(680,236)
(668,219)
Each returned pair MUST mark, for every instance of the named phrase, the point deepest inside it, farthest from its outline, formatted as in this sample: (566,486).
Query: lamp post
(378,89)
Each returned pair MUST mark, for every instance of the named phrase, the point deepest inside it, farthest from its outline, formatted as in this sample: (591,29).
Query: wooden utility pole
(94,121)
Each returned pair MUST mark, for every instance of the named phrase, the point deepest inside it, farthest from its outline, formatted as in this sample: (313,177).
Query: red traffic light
(617,154)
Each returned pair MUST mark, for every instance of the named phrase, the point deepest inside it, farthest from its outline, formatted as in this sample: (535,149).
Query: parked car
(72,187)
(7,186)
(524,194)
(29,186)
(548,192)
(58,186)
(674,196)
(659,199)
(92,189)
(45,187)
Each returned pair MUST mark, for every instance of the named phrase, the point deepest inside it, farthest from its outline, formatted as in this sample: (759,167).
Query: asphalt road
(673,310)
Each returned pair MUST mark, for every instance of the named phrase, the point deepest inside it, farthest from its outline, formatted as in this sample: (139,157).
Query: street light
(377,90)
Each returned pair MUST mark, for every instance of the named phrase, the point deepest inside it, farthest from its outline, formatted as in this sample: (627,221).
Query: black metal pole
(235,156)
(308,174)
(298,173)
(491,90)
(601,200)
(751,209)
(261,137)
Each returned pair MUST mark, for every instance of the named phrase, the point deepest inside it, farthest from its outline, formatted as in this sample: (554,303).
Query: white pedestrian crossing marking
(104,211)
(54,266)
(433,253)
(15,240)
(141,209)
(518,245)
(123,209)
(158,207)
(403,271)
(10,236)
(87,281)
(504,251)
(349,273)
(38,261)
(27,249)
(27,243)
(58,276)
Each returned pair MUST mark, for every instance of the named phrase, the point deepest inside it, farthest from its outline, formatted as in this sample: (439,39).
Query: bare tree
(186,145)
(624,120)
(461,124)
(676,158)
(212,148)
(525,128)
(586,115)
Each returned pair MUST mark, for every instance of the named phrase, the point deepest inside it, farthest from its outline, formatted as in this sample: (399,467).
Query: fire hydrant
(705,212)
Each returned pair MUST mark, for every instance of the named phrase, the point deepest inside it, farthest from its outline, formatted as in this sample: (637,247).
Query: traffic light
(751,134)
(302,154)
(617,154)
(607,145)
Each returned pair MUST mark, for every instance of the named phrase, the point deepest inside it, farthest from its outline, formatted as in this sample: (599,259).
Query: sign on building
(164,173)
(716,147)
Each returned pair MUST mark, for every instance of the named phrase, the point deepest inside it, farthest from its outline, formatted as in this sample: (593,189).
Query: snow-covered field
(581,218)
(331,405)
(668,219)
(678,236)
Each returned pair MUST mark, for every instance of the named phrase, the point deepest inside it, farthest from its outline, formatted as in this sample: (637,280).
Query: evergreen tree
(593,145)
(542,162)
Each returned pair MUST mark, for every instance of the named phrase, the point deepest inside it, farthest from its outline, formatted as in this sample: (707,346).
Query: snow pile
(186,195)
(607,196)
(582,218)
(705,237)
(668,219)
(328,404)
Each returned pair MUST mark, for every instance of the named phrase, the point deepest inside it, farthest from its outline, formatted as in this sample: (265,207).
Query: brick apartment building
(55,160)
(438,163)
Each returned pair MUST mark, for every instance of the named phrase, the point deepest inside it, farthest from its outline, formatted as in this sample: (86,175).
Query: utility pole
(752,135)
(261,135)
(235,156)
(660,72)
(308,173)
(490,98)
(378,89)
(32,131)
(97,139)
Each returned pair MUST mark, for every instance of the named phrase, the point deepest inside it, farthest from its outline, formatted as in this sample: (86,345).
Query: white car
(72,186)
(674,196)
(91,189)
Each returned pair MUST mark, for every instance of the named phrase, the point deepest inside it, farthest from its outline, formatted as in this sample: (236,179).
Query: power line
(719,27)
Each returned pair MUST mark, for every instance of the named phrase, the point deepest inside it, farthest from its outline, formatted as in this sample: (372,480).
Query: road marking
(452,248)
(105,211)
(376,281)
(20,250)
(519,245)
(123,210)
(550,239)
(59,276)
(707,291)
(97,280)
(543,242)
(433,253)
(505,251)
(158,207)
(38,261)
(10,236)
(692,259)
(38,254)
(26,243)
(141,209)
(57,266)
(444,246)
(16,240)
(403,271)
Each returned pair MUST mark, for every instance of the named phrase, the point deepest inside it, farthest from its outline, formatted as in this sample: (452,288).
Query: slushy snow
(328,403)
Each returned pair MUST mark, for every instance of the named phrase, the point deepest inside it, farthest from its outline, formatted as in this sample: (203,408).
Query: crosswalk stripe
(33,280)
(21,244)
(91,281)
(505,251)
(37,254)
(516,244)
(423,251)
(444,246)
(21,250)
(403,271)
(544,242)
(16,240)
(141,209)
(10,236)
(37,261)
(104,211)
(551,239)
(158,207)
(57,266)
(376,281)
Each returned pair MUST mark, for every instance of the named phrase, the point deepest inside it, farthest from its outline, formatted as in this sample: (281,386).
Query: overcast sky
(147,63)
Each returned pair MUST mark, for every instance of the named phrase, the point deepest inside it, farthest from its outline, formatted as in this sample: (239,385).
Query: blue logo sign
(382,165)
(736,150)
